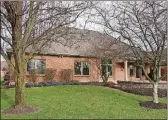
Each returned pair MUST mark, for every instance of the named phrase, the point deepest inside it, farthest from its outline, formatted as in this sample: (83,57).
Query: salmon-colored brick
(67,62)
(63,62)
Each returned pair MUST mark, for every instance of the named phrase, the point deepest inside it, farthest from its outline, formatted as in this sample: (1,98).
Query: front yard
(80,102)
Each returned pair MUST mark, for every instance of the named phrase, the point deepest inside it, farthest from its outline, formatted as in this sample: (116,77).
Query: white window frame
(35,65)
(106,65)
(134,70)
(81,69)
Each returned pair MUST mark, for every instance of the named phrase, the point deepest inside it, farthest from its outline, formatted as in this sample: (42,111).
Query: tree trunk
(105,79)
(155,92)
(19,90)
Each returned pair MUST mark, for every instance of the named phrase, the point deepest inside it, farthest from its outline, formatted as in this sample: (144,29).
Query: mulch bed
(20,109)
(146,91)
(139,91)
(152,105)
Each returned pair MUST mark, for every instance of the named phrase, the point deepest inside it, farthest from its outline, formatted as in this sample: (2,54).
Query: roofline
(66,55)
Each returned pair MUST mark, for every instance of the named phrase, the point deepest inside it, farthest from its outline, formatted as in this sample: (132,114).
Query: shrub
(66,75)
(41,84)
(53,83)
(36,84)
(29,84)
(33,75)
(50,74)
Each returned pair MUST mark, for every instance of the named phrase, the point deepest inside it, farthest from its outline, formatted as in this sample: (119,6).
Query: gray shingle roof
(81,42)
(88,43)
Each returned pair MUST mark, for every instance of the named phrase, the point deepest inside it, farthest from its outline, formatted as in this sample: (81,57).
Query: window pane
(131,70)
(77,68)
(85,68)
(36,64)
(109,61)
(40,66)
(110,70)
(30,65)
(138,72)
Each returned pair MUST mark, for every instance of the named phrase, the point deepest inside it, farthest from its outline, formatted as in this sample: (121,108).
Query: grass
(81,102)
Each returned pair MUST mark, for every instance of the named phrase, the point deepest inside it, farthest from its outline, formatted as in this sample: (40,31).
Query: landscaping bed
(146,91)
(150,104)
(20,109)
(56,83)
(140,91)
(50,83)
(46,83)
(142,87)
(140,84)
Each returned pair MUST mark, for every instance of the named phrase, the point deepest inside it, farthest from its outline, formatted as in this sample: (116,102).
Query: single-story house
(4,68)
(83,56)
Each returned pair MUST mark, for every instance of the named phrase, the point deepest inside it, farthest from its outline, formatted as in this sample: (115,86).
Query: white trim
(126,70)
(106,65)
(81,69)
(160,71)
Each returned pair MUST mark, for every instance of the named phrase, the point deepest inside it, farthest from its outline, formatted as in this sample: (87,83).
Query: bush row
(55,83)
(52,83)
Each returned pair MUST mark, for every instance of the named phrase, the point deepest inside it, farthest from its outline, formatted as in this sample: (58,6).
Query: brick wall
(119,71)
(67,62)
(164,72)
(60,63)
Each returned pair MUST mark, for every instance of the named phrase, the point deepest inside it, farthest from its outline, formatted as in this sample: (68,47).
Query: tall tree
(142,25)
(29,26)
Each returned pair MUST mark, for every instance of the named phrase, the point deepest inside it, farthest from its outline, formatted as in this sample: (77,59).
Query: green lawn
(70,101)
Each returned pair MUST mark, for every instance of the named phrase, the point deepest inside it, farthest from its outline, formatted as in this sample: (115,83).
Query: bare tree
(28,26)
(107,50)
(105,56)
(143,26)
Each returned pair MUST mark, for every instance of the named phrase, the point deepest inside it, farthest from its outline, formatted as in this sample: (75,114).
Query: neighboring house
(164,70)
(4,68)
(82,57)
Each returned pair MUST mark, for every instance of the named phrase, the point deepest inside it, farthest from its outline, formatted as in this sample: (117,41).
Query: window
(106,66)
(39,65)
(131,67)
(138,72)
(81,68)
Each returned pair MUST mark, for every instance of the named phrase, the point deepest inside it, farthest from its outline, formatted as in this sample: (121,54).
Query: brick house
(4,68)
(82,59)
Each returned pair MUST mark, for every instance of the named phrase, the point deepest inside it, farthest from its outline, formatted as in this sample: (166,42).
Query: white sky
(2,59)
